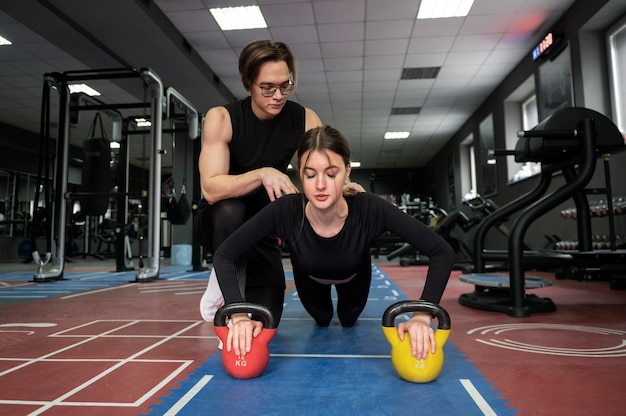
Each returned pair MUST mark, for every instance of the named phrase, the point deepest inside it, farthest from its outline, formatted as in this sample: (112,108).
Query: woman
(329,236)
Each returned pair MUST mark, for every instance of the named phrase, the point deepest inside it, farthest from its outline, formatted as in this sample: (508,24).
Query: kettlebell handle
(245,307)
(416,306)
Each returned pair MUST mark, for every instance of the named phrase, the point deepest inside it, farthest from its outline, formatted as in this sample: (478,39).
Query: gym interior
(515,156)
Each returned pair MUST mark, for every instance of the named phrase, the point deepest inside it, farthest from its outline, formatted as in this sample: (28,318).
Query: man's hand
(276,183)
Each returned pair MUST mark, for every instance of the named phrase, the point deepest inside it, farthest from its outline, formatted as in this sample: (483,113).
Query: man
(246,148)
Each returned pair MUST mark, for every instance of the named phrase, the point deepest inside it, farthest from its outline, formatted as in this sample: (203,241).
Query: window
(530,118)
(616,40)
(468,165)
(521,113)
(555,84)
(487,161)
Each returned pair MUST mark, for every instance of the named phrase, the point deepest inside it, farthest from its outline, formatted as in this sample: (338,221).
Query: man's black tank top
(256,144)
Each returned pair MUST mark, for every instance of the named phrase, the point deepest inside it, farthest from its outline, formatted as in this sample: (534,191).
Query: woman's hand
(421,334)
(241,332)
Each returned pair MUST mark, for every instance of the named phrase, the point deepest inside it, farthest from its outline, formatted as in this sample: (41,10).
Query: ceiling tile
(294,35)
(387,29)
(341,32)
(343,64)
(194,20)
(342,49)
(391,10)
(386,47)
(288,14)
(343,11)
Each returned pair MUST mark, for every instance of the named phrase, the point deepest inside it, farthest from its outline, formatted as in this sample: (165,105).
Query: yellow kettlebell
(409,368)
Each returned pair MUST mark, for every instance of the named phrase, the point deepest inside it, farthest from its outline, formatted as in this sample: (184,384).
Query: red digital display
(543,46)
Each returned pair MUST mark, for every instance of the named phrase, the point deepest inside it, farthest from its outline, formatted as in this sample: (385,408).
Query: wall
(590,88)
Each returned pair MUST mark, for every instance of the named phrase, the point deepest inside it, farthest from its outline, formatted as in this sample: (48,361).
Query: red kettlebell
(251,364)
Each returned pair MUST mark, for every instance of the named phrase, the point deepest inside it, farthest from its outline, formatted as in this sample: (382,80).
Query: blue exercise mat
(84,281)
(335,371)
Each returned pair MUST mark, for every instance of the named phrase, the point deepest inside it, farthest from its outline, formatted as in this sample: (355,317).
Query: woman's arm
(428,242)
(237,244)
(441,255)
(243,329)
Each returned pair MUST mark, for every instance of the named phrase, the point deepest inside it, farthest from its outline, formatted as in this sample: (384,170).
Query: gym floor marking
(91,292)
(332,360)
(82,332)
(179,405)
(180,288)
(329,356)
(608,350)
(467,384)
(477,397)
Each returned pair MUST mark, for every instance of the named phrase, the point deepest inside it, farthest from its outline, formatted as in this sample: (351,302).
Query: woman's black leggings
(351,296)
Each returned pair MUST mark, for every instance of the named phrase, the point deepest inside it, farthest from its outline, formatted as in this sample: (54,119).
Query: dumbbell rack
(588,242)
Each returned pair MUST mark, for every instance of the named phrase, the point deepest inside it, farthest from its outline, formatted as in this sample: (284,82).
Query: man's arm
(214,163)
(311,119)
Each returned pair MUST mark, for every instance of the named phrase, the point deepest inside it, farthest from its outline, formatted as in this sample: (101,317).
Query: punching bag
(96,171)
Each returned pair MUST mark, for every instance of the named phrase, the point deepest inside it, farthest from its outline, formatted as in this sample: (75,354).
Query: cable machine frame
(60,82)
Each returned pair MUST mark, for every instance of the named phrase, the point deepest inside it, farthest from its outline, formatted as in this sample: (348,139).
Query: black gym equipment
(60,82)
(96,175)
(445,225)
(70,105)
(568,141)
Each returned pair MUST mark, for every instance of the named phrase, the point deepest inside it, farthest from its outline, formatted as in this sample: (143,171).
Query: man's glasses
(268,90)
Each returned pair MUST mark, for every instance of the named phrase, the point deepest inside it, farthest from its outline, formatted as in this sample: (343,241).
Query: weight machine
(53,258)
(569,141)
(445,224)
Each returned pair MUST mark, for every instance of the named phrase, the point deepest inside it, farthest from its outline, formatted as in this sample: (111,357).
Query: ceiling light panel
(239,18)
(436,9)
(396,135)
(4,41)
(84,88)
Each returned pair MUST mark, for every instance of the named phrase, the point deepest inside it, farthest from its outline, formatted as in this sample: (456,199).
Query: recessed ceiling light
(84,88)
(434,9)
(355,164)
(238,18)
(142,122)
(5,41)
(394,135)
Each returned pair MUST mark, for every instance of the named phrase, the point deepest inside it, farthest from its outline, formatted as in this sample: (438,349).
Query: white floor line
(196,292)
(477,397)
(62,398)
(170,289)
(91,292)
(182,402)
(329,356)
